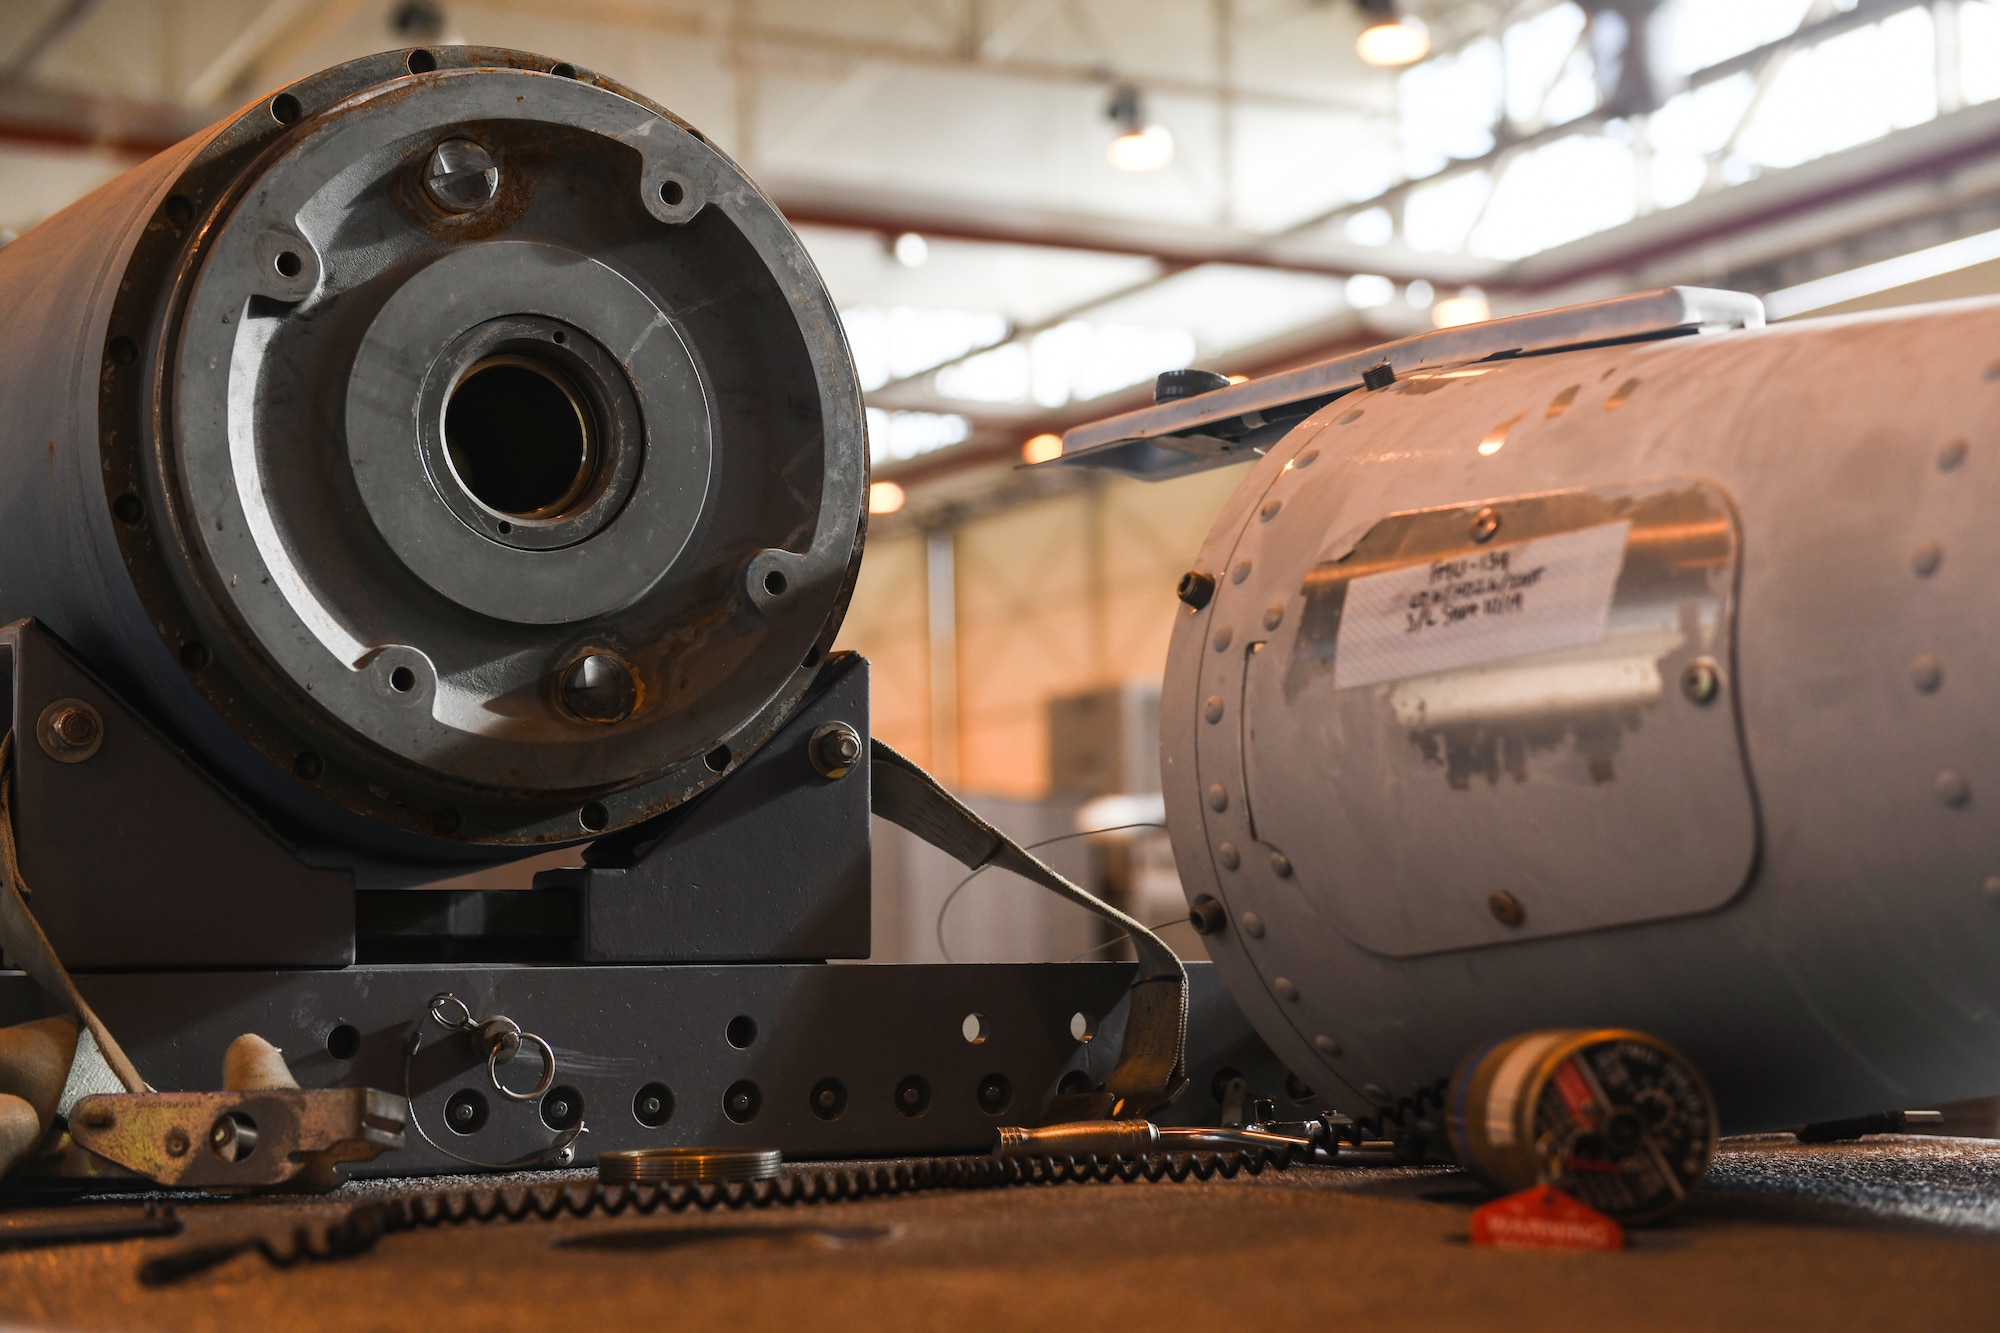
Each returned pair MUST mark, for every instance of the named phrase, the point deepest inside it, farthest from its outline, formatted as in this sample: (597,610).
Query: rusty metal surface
(237,1141)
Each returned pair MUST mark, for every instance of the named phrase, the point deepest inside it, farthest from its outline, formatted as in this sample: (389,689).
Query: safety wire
(949,898)
(491,1035)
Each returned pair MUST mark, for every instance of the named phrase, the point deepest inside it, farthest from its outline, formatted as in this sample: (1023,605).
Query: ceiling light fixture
(1042,448)
(1390,39)
(1139,146)
(885,497)
(1468,307)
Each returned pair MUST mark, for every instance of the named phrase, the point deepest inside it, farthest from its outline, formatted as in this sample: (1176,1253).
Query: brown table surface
(1892,1232)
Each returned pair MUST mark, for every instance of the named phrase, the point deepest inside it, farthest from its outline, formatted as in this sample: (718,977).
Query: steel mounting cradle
(692,979)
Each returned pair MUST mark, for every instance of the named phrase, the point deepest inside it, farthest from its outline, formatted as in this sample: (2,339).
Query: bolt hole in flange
(519,438)
(421,61)
(774,583)
(233,1137)
(402,680)
(742,1101)
(996,1094)
(653,1105)
(288,264)
(466,1111)
(344,1042)
(672,193)
(741,1032)
(828,1099)
(562,1107)
(913,1096)
(285,109)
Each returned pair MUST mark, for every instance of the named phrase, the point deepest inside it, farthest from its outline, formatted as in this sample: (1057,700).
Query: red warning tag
(1544,1218)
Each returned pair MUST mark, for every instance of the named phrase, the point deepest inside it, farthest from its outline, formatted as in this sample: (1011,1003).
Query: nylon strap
(1152,1057)
(29,949)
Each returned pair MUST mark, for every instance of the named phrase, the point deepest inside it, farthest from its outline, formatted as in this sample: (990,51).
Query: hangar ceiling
(946,160)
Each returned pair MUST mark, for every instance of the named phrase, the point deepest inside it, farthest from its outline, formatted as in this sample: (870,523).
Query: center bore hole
(519,440)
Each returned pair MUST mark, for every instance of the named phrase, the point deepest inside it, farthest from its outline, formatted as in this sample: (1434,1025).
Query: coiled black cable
(357,1229)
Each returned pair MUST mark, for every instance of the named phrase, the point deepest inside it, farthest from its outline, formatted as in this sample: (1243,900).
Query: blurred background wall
(1026,209)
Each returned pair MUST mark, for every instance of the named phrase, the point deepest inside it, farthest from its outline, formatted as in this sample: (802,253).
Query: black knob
(1195,589)
(1173,384)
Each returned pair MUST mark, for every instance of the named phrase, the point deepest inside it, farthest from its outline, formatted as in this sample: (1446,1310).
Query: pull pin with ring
(501,1038)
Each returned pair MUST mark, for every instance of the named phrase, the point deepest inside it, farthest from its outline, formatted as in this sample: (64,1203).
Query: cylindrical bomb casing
(453,449)
(1715,772)
(1618,1119)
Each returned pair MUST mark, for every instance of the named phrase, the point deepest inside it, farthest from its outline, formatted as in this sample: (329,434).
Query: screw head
(461,176)
(177,1142)
(599,688)
(1506,908)
(1484,524)
(1701,681)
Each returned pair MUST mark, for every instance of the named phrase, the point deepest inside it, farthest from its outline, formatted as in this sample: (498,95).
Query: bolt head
(1701,682)
(1485,523)
(599,688)
(177,1142)
(1506,908)
(461,176)
(76,726)
(834,748)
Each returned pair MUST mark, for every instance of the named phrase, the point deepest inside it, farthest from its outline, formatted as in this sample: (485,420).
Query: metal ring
(548,1071)
(438,1002)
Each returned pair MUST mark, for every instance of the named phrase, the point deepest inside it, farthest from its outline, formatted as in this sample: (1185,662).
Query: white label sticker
(1509,601)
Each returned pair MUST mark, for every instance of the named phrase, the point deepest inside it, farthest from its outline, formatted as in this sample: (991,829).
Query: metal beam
(763,40)
(1506,146)
(46,117)
(22,63)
